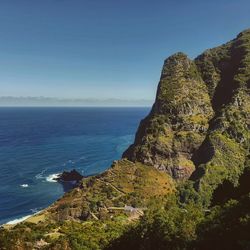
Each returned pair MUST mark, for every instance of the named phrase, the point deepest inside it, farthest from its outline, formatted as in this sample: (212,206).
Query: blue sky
(105,49)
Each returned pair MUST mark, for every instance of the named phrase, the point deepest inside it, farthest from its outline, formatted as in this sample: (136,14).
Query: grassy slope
(96,207)
(92,215)
(125,183)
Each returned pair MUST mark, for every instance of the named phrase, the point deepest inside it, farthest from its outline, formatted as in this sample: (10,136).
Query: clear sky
(105,48)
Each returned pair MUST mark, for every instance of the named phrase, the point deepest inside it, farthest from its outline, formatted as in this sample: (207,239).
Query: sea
(38,143)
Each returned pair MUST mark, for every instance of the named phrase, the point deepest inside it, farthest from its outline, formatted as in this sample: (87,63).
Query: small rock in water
(72,176)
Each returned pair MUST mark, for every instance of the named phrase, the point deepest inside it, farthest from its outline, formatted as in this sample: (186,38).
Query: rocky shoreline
(72,176)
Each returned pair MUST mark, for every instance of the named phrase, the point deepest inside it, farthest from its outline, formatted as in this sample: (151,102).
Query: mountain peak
(177,56)
(192,125)
(177,122)
(244,32)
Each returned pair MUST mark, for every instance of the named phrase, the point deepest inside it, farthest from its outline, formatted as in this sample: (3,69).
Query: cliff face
(198,129)
(199,123)
(178,121)
(225,150)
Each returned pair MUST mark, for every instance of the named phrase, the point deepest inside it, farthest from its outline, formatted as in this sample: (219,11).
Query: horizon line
(83,106)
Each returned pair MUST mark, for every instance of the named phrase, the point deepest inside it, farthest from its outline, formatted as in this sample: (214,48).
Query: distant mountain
(51,101)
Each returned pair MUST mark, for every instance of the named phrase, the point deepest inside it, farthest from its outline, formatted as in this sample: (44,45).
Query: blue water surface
(36,143)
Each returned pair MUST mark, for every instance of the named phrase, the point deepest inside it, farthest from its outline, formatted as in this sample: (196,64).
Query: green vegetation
(177,221)
(176,126)
(226,146)
(166,225)
(125,183)
(198,133)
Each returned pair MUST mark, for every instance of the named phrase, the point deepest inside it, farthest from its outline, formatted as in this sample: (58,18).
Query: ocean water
(37,143)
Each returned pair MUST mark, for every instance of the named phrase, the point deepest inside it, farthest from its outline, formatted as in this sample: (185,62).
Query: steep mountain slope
(190,153)
(201,117)
(226,71)
(98,197)
(178,121)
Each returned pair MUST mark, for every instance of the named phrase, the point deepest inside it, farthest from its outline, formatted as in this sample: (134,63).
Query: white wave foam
(18,220)
(51,177)
(40,175)
(24,185)
(36,210)
(12,222)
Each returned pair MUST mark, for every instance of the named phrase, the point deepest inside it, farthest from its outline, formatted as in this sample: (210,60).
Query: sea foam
(18,220)
(24,185)
(15,221)
(52,177)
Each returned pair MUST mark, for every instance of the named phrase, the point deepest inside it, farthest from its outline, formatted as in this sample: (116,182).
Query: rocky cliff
(177,124)
(198,127)
(190,153)
(225,150)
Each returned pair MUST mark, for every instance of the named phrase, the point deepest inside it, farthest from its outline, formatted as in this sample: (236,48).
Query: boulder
(72,176)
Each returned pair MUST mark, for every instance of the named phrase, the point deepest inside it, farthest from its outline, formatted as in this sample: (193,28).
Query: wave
(15,221)
(24,185)
(51,177)
(40,175)
(36,210)
(18,220)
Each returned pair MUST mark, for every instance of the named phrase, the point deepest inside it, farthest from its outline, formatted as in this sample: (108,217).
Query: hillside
(182,184)
(201,117)
(177,124)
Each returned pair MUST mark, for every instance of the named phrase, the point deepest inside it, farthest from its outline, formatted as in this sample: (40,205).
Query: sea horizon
(77,106)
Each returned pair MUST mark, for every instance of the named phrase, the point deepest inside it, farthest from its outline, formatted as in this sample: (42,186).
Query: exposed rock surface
(201,117)
(198,128)
(224,152)
(71,176)
(178,121)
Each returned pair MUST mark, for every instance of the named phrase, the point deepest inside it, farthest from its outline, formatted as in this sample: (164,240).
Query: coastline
(33,158)
(38,215)
(33,218)
(17,220)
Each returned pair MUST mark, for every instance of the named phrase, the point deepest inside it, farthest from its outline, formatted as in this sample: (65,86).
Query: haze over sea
(36,143)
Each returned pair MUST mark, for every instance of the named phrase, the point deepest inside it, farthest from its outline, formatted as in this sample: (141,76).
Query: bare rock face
(225,151)
(71,176)
(199,125)
(178,121)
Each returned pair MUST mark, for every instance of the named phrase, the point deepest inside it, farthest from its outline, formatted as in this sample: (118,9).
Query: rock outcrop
(71,176)
(224,152)
(199,123)
(177,124)
(198,129)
